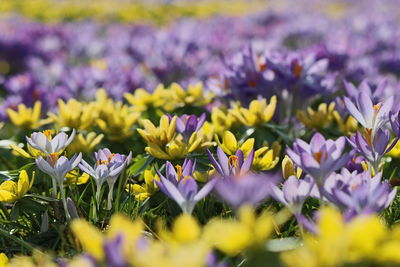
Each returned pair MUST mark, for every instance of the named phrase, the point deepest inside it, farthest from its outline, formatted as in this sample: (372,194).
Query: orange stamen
(47,133)
(53,159)
(179,171)
(233,160)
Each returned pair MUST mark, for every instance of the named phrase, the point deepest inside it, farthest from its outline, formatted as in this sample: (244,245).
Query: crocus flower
(319,158)
(107,168)
(249,189)
(370,116)
(57,168)
(188,124)
(293,193)
(43,141)
(182,188)
(358,193)
(372,148)
(234,165)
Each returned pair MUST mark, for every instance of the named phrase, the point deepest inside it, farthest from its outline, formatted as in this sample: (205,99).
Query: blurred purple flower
(249,189)
(358,193)
(113,251)
(293,193)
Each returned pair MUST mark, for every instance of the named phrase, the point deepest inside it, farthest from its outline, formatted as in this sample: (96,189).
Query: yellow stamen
(47,133)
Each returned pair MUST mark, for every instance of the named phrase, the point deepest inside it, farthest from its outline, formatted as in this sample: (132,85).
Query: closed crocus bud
(288,168)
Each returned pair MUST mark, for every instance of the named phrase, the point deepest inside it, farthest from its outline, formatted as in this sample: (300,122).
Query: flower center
(233,161)
(319,155)
(53,159)
(47,133)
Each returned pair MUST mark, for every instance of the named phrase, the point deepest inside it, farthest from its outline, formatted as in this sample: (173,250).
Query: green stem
(21,242)
(110,195)
(64,201)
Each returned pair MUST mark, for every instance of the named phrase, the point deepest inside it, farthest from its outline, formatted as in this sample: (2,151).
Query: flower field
(199,133)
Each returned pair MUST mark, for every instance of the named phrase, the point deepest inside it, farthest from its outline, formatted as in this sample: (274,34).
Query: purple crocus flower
(372,148)
(107,168)
(355,164)
(358,193)
(188,124)
(182,188)
(48,145)
(57,168)
(321,157)
(114,253)
(293,193)
(234,165)
(250,188)
(370,116)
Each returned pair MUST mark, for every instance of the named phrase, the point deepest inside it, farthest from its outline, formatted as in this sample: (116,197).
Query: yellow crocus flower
(288,168)
(3,260)
(266,158)
(73,178)
(89,237)
(26,118)
(11,191)
(317,119)
(85,144)
(142,100)
(230,145)
(75,114)
(185,229)
(194,95)
(117,120)
(258,113)
(234,236)
(92,239)
(395,151)
(222,120)
(147,189)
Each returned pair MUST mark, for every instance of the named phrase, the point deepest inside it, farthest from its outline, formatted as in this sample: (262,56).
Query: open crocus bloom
(182,187)
(44,142)
(321,157)
(370,116)
(107,168)
(234,165)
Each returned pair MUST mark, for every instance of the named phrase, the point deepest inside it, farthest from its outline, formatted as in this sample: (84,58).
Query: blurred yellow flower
(235,236)
(142,100)
(26,118)
(230,145)
(11,191)
(337,243)
(194,95)
(75,114)
(222,120)
(3,260)
(85,144)
(395,151)
(117,120)
(317,119)
(258,113)
(92,239)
